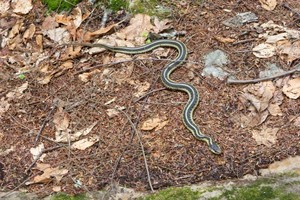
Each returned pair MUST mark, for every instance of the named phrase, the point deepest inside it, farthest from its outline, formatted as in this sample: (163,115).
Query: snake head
(214,147)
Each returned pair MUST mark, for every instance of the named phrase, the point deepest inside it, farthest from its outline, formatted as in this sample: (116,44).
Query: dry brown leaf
(259,94)
(142,88)
(49,23)
(83,132)
(161,25)
(1,136)
(139,25)
(45,80)
(56,188)
(275,110)
(112,112)
(36,152)
(268,4)
(61,120)
(289,50)
(264,50)
(88,36)
(4,106)
(253,118)
(28,34)
(59,35)
(297,122)
(39,42)
(21,7)
(224,39)
(85,143)
(292,88)
(157,123)
(48,174)
(4,6)
(15,29)
(266,136)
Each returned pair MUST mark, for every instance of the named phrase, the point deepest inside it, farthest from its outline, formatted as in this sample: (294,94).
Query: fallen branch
(233,81)
(54,105)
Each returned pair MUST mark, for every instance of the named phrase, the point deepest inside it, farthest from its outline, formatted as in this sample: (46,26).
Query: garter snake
(165,77)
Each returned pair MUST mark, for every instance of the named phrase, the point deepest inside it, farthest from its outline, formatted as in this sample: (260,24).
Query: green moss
(63,196)
(60,5)
(116,5)
(149,7)
(174,193)
(259,190)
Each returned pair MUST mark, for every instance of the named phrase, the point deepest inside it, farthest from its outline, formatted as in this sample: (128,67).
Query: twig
(54,105)
(285,5)
(148,93)
(142,147)
(132,133)
(232,81)
(39,155)
(243,41)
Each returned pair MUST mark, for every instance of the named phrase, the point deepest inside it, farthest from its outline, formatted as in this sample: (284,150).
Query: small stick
(45,122)
(142,147)
(232,81)
(39,155)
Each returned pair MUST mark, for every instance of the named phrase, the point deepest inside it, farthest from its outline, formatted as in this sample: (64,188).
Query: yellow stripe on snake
(165,77)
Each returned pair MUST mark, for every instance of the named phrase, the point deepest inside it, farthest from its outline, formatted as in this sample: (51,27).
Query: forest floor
(71,122)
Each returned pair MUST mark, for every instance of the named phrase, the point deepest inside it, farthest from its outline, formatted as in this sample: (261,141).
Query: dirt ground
(174,157)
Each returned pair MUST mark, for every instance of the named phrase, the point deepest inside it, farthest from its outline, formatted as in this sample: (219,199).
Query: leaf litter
(261,109)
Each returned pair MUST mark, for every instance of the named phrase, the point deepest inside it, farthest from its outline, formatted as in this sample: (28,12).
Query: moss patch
(174,193)
(63,196)
(259,190)
(60,5)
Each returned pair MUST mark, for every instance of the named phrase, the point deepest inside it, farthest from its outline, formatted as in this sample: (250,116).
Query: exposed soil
(173,155)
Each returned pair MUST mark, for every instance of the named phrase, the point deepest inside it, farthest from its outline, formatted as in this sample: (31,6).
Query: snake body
(165,77)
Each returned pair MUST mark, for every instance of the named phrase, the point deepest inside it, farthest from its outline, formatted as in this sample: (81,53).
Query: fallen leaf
(83,132)
(110,101)
(4,106)
(61,120)
(266,136)
(142,88)
(275,110)
(268,4)
(85,143)
(139,24)
(37,151)
(88,36)
(291,50)
(161,25)
(84,77)
(297,122)
(152,123)
(253,118)
(56,188)
(224,39)
(59,35)
(49,23)
(45,80)
(1,136)
(259,94)
(4,6)
(264,50)
(15,30)
(48,174)
(21,7)
(112,112)
(292,88)
(28,34)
